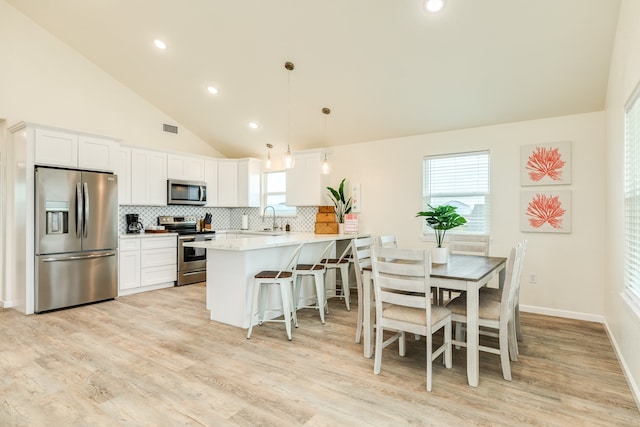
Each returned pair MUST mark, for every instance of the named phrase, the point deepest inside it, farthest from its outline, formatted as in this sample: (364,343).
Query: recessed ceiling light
(212,90)
(253,125)
(434,5)
(160,44)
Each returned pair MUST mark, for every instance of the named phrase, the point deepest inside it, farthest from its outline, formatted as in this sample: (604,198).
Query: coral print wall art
(545,164)
(545,211)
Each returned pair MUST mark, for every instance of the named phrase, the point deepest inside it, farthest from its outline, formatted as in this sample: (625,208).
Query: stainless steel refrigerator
(76,230)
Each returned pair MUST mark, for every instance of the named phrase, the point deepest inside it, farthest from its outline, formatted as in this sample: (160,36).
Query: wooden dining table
(466,273)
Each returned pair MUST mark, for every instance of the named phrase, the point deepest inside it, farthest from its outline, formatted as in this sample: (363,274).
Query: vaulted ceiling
(385,68)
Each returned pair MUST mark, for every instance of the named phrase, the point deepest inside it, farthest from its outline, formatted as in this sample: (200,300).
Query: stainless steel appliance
(181,192)
(192,262)
(76,229)
(133,223)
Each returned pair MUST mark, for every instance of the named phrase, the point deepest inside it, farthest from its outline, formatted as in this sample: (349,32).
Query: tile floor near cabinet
(155,359)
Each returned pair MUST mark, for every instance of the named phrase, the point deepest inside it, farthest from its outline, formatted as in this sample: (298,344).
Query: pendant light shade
(325,163)
(288,158)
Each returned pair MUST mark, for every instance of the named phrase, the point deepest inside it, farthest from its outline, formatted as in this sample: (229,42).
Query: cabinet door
(185,167)
(129,270)
(211,178)
(56,148)
(249,183)
(124,176)
(148,178)
(306,184)
(227,183)
(97,153)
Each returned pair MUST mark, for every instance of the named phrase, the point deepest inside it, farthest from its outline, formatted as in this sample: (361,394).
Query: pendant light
(288,158)
(325,162)
(268,164)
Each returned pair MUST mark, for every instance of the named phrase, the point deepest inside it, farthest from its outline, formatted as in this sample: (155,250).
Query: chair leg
(319,281)
(402,345)
(254,307)
(504,352)
(429,360)
(377,364)
(344,274)
(286,304)
(359,324)
(516,314)
(459,334)
(448,353)
(292,306)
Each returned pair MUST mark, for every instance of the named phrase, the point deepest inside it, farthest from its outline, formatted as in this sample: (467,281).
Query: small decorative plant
(342,204)
(441,219)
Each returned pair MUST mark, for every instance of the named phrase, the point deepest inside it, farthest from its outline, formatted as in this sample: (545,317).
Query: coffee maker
(133,225)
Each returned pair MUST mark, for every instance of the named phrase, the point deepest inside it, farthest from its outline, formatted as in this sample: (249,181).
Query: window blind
(632,194)
(460,180)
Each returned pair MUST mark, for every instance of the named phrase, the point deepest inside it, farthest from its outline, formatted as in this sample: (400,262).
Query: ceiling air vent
(170,128)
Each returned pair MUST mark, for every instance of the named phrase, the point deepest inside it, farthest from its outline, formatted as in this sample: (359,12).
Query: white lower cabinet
(147,263)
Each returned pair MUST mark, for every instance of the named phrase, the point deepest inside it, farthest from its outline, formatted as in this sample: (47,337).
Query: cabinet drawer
(156,275)
(159,242)
(129,245)
(158,257)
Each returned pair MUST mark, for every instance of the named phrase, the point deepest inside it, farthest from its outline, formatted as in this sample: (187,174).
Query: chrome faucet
(273,226)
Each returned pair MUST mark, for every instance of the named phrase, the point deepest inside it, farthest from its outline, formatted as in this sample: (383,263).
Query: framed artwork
(355,197)
(545,211)
(545,164)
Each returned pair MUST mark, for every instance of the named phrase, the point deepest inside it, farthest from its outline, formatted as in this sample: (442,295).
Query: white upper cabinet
(124,176)
(306,184)
(211,178)
(239,183)
(227,183)
(148,177)
(185,167)
(75,150)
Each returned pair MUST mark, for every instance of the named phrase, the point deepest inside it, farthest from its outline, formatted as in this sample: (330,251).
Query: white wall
(569,267)
(44,81)
(624,76)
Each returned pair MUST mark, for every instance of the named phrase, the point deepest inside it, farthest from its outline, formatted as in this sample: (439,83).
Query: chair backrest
(321,260)
(469,244)
(402,277)
(511,286)
(293,259)
(361,250)
(387,241)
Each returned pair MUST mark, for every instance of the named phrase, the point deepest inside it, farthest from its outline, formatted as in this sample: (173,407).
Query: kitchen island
(233,262)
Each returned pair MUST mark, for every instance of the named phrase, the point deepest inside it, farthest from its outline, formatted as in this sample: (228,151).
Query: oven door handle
(187,238)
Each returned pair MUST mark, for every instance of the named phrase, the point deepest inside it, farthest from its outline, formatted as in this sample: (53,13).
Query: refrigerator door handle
(85,221)
(74,258)
(79,211)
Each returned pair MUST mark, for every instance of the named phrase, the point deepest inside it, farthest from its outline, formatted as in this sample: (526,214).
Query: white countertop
(145,235)
(258,242)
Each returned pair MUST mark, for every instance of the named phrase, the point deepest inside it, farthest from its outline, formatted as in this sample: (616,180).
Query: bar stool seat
(283,280)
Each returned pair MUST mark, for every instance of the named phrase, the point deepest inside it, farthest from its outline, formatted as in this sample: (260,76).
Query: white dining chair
(387,241)
(401,279)
(283,279)
(495,315)
(316,270)
(465,244)
(342,264)
(361,251)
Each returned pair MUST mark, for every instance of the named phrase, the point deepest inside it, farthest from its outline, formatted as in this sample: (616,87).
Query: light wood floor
(155,359)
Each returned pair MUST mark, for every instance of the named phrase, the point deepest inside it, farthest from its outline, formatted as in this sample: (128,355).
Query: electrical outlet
(533,278)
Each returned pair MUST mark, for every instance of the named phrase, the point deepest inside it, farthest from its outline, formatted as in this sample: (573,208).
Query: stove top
(183,225)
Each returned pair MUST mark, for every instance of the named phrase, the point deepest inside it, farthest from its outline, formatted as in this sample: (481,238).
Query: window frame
(427,194)
(266,194)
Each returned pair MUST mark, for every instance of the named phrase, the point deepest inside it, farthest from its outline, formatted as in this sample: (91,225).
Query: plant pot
(440,255)
(341,228)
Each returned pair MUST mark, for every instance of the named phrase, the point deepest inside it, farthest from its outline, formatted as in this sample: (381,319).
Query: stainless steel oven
(192,262)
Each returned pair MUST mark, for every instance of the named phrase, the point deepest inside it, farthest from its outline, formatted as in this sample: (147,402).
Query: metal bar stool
(317,270)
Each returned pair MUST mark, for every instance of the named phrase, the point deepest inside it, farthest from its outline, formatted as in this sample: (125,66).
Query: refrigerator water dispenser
(57,217)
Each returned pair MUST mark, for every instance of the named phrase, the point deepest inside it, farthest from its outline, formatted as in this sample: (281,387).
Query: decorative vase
(341,228)
(440,255)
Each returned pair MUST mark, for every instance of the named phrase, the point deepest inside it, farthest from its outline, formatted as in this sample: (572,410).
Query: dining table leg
(473,350)
(367,313)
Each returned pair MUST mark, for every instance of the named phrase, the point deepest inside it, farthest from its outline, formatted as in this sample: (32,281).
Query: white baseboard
(635,389)
(562,313)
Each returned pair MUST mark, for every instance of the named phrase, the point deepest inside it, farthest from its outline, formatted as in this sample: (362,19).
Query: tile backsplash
(223,218)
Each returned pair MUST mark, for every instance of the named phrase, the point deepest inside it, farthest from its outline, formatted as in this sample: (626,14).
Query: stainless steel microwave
(181,192)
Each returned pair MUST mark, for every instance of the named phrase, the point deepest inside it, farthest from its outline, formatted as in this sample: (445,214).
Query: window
(632,195)
(275,193)
(460,180)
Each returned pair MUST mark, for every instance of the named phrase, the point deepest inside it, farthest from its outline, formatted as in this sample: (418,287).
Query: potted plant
(440,219)
(341,202)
